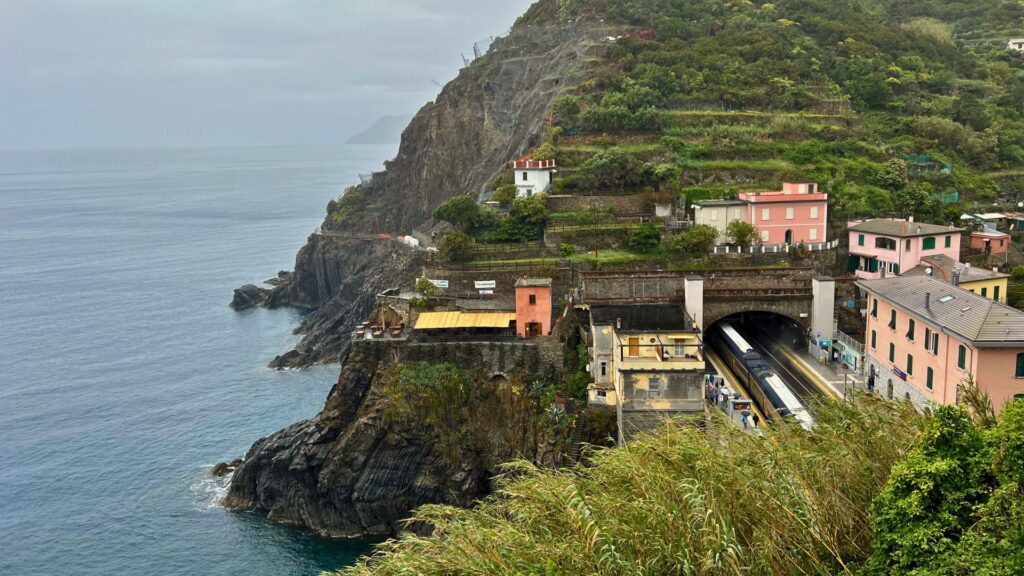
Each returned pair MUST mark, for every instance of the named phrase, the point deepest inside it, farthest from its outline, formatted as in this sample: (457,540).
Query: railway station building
(925,337)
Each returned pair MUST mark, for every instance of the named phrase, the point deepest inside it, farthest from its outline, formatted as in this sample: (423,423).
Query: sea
(124,375)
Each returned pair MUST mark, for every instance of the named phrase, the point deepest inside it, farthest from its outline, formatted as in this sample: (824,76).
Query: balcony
(660,355)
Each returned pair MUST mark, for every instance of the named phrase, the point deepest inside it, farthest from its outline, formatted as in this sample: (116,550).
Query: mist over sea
(123,373)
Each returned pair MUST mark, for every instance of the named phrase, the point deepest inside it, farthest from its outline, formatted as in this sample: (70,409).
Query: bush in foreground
(679,501)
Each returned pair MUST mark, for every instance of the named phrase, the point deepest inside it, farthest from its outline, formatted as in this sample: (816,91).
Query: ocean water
(123,373)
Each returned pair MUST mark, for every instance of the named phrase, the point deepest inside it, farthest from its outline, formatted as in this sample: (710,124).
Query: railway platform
(732,383)
(834,383)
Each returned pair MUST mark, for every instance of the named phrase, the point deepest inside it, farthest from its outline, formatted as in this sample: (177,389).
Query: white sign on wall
(439,283)
(485,284)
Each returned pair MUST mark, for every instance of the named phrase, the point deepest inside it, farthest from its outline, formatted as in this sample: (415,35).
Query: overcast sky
(143,73)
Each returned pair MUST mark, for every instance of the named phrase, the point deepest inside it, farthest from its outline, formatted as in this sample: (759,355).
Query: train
(767,390)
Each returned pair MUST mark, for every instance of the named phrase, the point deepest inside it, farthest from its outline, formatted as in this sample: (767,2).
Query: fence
(773,248)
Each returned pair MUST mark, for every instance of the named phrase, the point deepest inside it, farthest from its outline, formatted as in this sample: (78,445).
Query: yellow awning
(457,319)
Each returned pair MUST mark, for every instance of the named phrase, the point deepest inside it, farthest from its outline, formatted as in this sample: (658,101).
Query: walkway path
(733,383)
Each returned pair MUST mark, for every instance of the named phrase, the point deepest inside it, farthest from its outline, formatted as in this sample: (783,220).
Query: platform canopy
(456,319)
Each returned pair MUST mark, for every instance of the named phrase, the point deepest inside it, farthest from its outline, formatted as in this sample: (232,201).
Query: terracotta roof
(972,318)
(901,228)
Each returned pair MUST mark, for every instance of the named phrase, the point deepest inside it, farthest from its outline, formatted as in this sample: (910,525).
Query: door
(533,329)
(789,236)
(634,345)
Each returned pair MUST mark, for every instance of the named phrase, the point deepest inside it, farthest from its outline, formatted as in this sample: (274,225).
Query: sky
(156,73)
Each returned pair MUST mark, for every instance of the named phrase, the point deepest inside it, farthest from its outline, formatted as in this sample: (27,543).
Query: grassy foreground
(679,501)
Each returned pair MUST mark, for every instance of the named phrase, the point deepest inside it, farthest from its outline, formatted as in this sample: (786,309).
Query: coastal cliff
(358,469)
(494,111)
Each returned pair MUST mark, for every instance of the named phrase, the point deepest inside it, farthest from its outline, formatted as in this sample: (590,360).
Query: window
(764,236)
(789,213)
(604,368)
(961,358)
(935,343)
(930,379)
(764,214)
(810,188)
(906,245)
(892,352)
(949,241)
(910,365)
(874,307)
(814,210)
(533,299)
(814,234)
(654,388)
(526,176)
(680,348)
(860,239)
(892,320)
(910,329)
(995,293)
(929,243)
(874,340)
(927,337)
(984,292)
(1020,366)
(714,214)
(885,243)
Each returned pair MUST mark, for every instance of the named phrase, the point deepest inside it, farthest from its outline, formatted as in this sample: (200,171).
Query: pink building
(924,337)
(798,213)
(885,247)
(533,307)
(990,241)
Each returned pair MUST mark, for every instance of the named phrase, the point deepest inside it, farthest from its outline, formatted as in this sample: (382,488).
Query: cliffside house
(533,307)
(885,247)
(1016,44)
(644,358)
(987,283)
(719,213)
(924,337)
(798,213)
(989,241)
(533,176)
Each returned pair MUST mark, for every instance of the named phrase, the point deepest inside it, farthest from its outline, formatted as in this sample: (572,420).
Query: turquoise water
(123,373)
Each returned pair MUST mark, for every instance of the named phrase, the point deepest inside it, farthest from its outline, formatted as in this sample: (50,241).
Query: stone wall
(461,280)
(626,204)
(641,286)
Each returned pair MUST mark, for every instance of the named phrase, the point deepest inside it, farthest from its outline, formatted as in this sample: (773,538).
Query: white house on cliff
(532,176)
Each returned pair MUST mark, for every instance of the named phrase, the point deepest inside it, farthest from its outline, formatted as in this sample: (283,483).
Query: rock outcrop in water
(495,110)
(353,471)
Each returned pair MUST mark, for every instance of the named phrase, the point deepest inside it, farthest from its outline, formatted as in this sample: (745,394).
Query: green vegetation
(462,212)
(456,247)
(741,233)
(697,240)
(645,238)
(681,501)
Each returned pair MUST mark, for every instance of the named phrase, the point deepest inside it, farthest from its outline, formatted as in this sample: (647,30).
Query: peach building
(533,307)
(990,241)
(924,337)
(798,213)
(886,247)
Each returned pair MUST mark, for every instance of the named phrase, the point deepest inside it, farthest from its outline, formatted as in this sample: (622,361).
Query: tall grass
(678,501)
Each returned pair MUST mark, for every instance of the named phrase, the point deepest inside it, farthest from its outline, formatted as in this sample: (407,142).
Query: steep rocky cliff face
(494,111)
(354,470)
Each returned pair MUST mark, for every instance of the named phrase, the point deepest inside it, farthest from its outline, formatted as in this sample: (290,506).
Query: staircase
(576,438)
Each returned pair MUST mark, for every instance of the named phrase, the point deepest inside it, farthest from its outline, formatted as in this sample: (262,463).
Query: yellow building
(981,281)
(646,357)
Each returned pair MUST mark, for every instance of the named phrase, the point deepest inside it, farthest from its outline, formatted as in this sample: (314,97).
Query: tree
(614,168)
(645,238)
(461,212)
(698,239)
(426,287)
(741,233)
(545,151)
(912,199)
(505,195)
(456,247)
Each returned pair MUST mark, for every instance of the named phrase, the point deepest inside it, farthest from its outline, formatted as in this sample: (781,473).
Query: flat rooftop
(642,317)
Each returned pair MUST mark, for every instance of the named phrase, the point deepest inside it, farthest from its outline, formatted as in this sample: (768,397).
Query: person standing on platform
(746,417)
(757,419)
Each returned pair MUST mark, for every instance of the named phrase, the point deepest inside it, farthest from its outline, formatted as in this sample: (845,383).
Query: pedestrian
(871,384)
(725,399)
(746,416)
(757,419)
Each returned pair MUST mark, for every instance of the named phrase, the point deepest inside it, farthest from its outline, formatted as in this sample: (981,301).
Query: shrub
(741,233)
(461,212)
(698,239)
(505,195)
(566,249)
(1017,272)
(645,238)
(456,247)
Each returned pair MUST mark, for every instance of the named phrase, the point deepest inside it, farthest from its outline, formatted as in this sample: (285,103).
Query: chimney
(955,281)
(927,299)
(910,218)
(618,323)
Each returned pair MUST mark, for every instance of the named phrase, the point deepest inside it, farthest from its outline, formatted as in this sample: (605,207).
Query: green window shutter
(910,364)
(852,263)
(1020,366)
(892,352)
(860,240)
(892,320)
(874,307)
(935,343)
(995,293)
(927,337)
(949,241)
(910,329)
(929,243)
(896,269)
(872,265)
(984,292)
(961,358)
(931,377)
(874,339)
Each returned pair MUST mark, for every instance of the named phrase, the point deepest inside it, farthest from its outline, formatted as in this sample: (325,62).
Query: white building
(533,176)
(1016,44)
(718,214)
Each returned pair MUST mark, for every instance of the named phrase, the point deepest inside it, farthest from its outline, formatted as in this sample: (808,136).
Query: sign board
(487,292)
(439,283)
(900,373)
(485,284)
(824,343)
